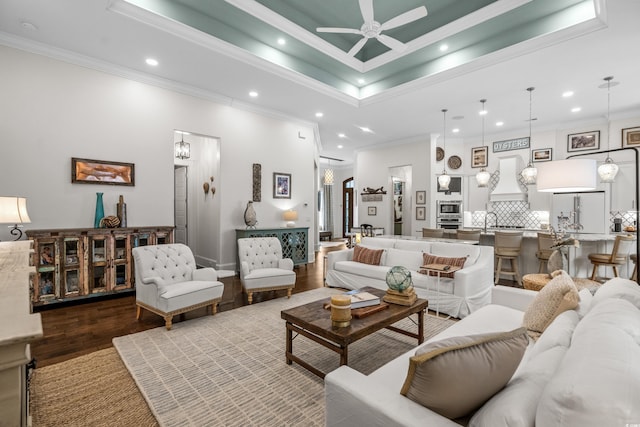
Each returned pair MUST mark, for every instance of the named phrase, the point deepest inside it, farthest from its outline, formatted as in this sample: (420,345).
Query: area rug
(91,390)
(230,369)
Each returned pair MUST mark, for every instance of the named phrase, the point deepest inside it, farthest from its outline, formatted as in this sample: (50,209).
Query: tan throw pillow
(428,258)
(455,376)
(366,255)
(559,295)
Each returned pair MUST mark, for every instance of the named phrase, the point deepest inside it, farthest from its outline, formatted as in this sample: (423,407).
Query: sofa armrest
(244,269)
(516,298)
(354,399)
(285,264)
(207,274)
(155,280)
(335,256)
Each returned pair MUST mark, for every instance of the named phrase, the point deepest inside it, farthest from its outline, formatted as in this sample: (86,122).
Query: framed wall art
(631,137)
(372,211)
(542,155)
(584,141)
(479,157)
(87,171)
(421,213)
(281,185)
(421,197)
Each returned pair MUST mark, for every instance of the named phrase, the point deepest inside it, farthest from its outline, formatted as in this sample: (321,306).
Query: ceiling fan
(373,29)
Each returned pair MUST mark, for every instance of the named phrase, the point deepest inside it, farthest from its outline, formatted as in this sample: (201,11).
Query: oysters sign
(511,144)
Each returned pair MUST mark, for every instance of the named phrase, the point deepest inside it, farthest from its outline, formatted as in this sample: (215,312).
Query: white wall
(52,111)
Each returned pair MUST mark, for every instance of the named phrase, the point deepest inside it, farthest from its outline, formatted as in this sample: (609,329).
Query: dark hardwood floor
(80,329)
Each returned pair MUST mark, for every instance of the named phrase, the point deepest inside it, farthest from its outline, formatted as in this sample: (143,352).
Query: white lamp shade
(608,171)
(444,181)
(290,216)
(13,210)
(482,178)
(328,177)
(566,176)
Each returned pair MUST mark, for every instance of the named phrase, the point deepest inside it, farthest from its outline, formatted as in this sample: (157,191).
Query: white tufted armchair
(168,282)
(262,267)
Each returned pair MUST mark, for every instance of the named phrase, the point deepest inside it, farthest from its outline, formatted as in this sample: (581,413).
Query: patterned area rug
(230,369)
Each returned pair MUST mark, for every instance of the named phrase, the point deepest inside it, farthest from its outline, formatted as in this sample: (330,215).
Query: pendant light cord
(530,89)
(444,139)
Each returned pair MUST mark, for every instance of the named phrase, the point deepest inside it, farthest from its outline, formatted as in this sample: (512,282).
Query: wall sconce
(13,210)
(290,217)
(183,149)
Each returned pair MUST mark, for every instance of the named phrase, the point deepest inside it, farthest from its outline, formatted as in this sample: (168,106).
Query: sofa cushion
(618,288)
(558,333)
(412,245)
(434,259)
(585,302)
(409,259)
(378,272)
(559,295)
(378,242)
(472,252)
(366,255)
(455,376)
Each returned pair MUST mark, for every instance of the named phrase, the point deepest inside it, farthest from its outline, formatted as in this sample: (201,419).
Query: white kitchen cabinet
(623,190)
(475,198)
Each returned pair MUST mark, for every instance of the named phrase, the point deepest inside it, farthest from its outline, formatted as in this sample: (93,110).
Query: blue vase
(99,211)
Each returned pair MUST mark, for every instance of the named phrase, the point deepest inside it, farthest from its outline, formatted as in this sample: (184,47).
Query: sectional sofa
(467,291)
(582,371)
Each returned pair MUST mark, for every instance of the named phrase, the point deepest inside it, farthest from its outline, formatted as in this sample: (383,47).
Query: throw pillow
(455,376)
(428,258)
(366,255)
(559,295)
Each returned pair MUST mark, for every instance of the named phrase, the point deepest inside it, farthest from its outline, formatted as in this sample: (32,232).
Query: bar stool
(507,246)
(468,235)
(618,255)
(545,241)
(432,232)
(634,275)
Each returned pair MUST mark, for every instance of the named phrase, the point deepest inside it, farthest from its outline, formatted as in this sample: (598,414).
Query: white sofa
(583,370)
(469,290)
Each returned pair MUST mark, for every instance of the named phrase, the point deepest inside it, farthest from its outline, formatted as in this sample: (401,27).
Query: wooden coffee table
(314,322)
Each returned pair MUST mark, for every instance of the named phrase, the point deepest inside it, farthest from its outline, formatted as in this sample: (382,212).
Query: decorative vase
(99,211)
(250,215)
(121,211)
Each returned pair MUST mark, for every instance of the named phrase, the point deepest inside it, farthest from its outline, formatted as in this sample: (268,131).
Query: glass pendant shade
(483,177)
(444,180)
(182,149)
(529,174)
(328,177)
(608,171)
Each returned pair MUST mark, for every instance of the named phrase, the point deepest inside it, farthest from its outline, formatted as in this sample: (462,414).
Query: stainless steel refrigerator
(589,208)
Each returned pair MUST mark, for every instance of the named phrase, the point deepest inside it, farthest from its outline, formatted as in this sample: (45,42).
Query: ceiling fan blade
(338,30)
(366,9)
(391,42)
(405,18)
(356,47)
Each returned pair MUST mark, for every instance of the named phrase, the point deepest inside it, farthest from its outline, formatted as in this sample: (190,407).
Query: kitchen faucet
(485,219)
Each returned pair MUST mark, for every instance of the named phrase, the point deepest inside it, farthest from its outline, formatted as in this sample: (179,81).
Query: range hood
(508,187)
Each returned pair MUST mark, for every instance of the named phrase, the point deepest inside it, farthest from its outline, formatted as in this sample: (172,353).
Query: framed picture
(542,155)
(281,185)
(631,137)
(372,210)
(421,213)
(87,171)
(584,141)
(421,197)
(479,157)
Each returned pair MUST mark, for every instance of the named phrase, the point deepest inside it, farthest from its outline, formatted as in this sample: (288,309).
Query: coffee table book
(360,298)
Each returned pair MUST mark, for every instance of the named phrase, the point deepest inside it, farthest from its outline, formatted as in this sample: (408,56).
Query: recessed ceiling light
(499,123)
(576,109)
(361,81)
(152,62)
(567,94)
(342,135)
(253,94)
(365,129)
(483,112)
(319,114)
(282,41)
(455,130)
(444,48)
(340,146)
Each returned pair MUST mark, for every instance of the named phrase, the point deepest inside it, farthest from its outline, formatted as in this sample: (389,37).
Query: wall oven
(449,223)
(449,208)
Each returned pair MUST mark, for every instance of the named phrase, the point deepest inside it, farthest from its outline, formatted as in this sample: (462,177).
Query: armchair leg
(138,312)
(289,293)
(167,321)
(214,308)
(250,297)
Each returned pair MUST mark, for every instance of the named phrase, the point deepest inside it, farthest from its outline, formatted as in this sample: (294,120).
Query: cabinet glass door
(71,267)
(98,271)
(48,283)
(121,266)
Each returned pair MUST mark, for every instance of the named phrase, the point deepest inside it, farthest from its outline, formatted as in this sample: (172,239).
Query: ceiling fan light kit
(372,29)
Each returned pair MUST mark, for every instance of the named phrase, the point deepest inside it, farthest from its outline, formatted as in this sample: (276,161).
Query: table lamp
(13,210)
(291,217)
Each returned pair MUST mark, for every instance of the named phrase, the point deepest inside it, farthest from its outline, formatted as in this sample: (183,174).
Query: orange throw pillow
(427,259)
(366,255)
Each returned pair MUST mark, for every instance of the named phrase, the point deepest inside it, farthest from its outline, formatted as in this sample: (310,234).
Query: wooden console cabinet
(294,241)
(87,262)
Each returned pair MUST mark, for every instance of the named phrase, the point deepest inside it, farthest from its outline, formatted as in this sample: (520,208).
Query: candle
(340,310)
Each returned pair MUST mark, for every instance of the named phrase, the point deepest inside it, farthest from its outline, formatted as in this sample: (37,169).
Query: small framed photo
(87,171)
(421,213)
(281,185)
(421,197)
(542,155)
(631,137)
(372,211)
(584,141)
(479,157)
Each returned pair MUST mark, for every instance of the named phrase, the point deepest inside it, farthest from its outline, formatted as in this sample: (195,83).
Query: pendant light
(530,173)
(182,149)
(328,175)
(483,176)
(444,179)
(608,170)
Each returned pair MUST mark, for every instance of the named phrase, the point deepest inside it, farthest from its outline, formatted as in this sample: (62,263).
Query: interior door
(180,204)
(347,206)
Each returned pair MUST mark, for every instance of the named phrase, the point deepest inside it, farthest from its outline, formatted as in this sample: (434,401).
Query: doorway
(347,206)
(180,204)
